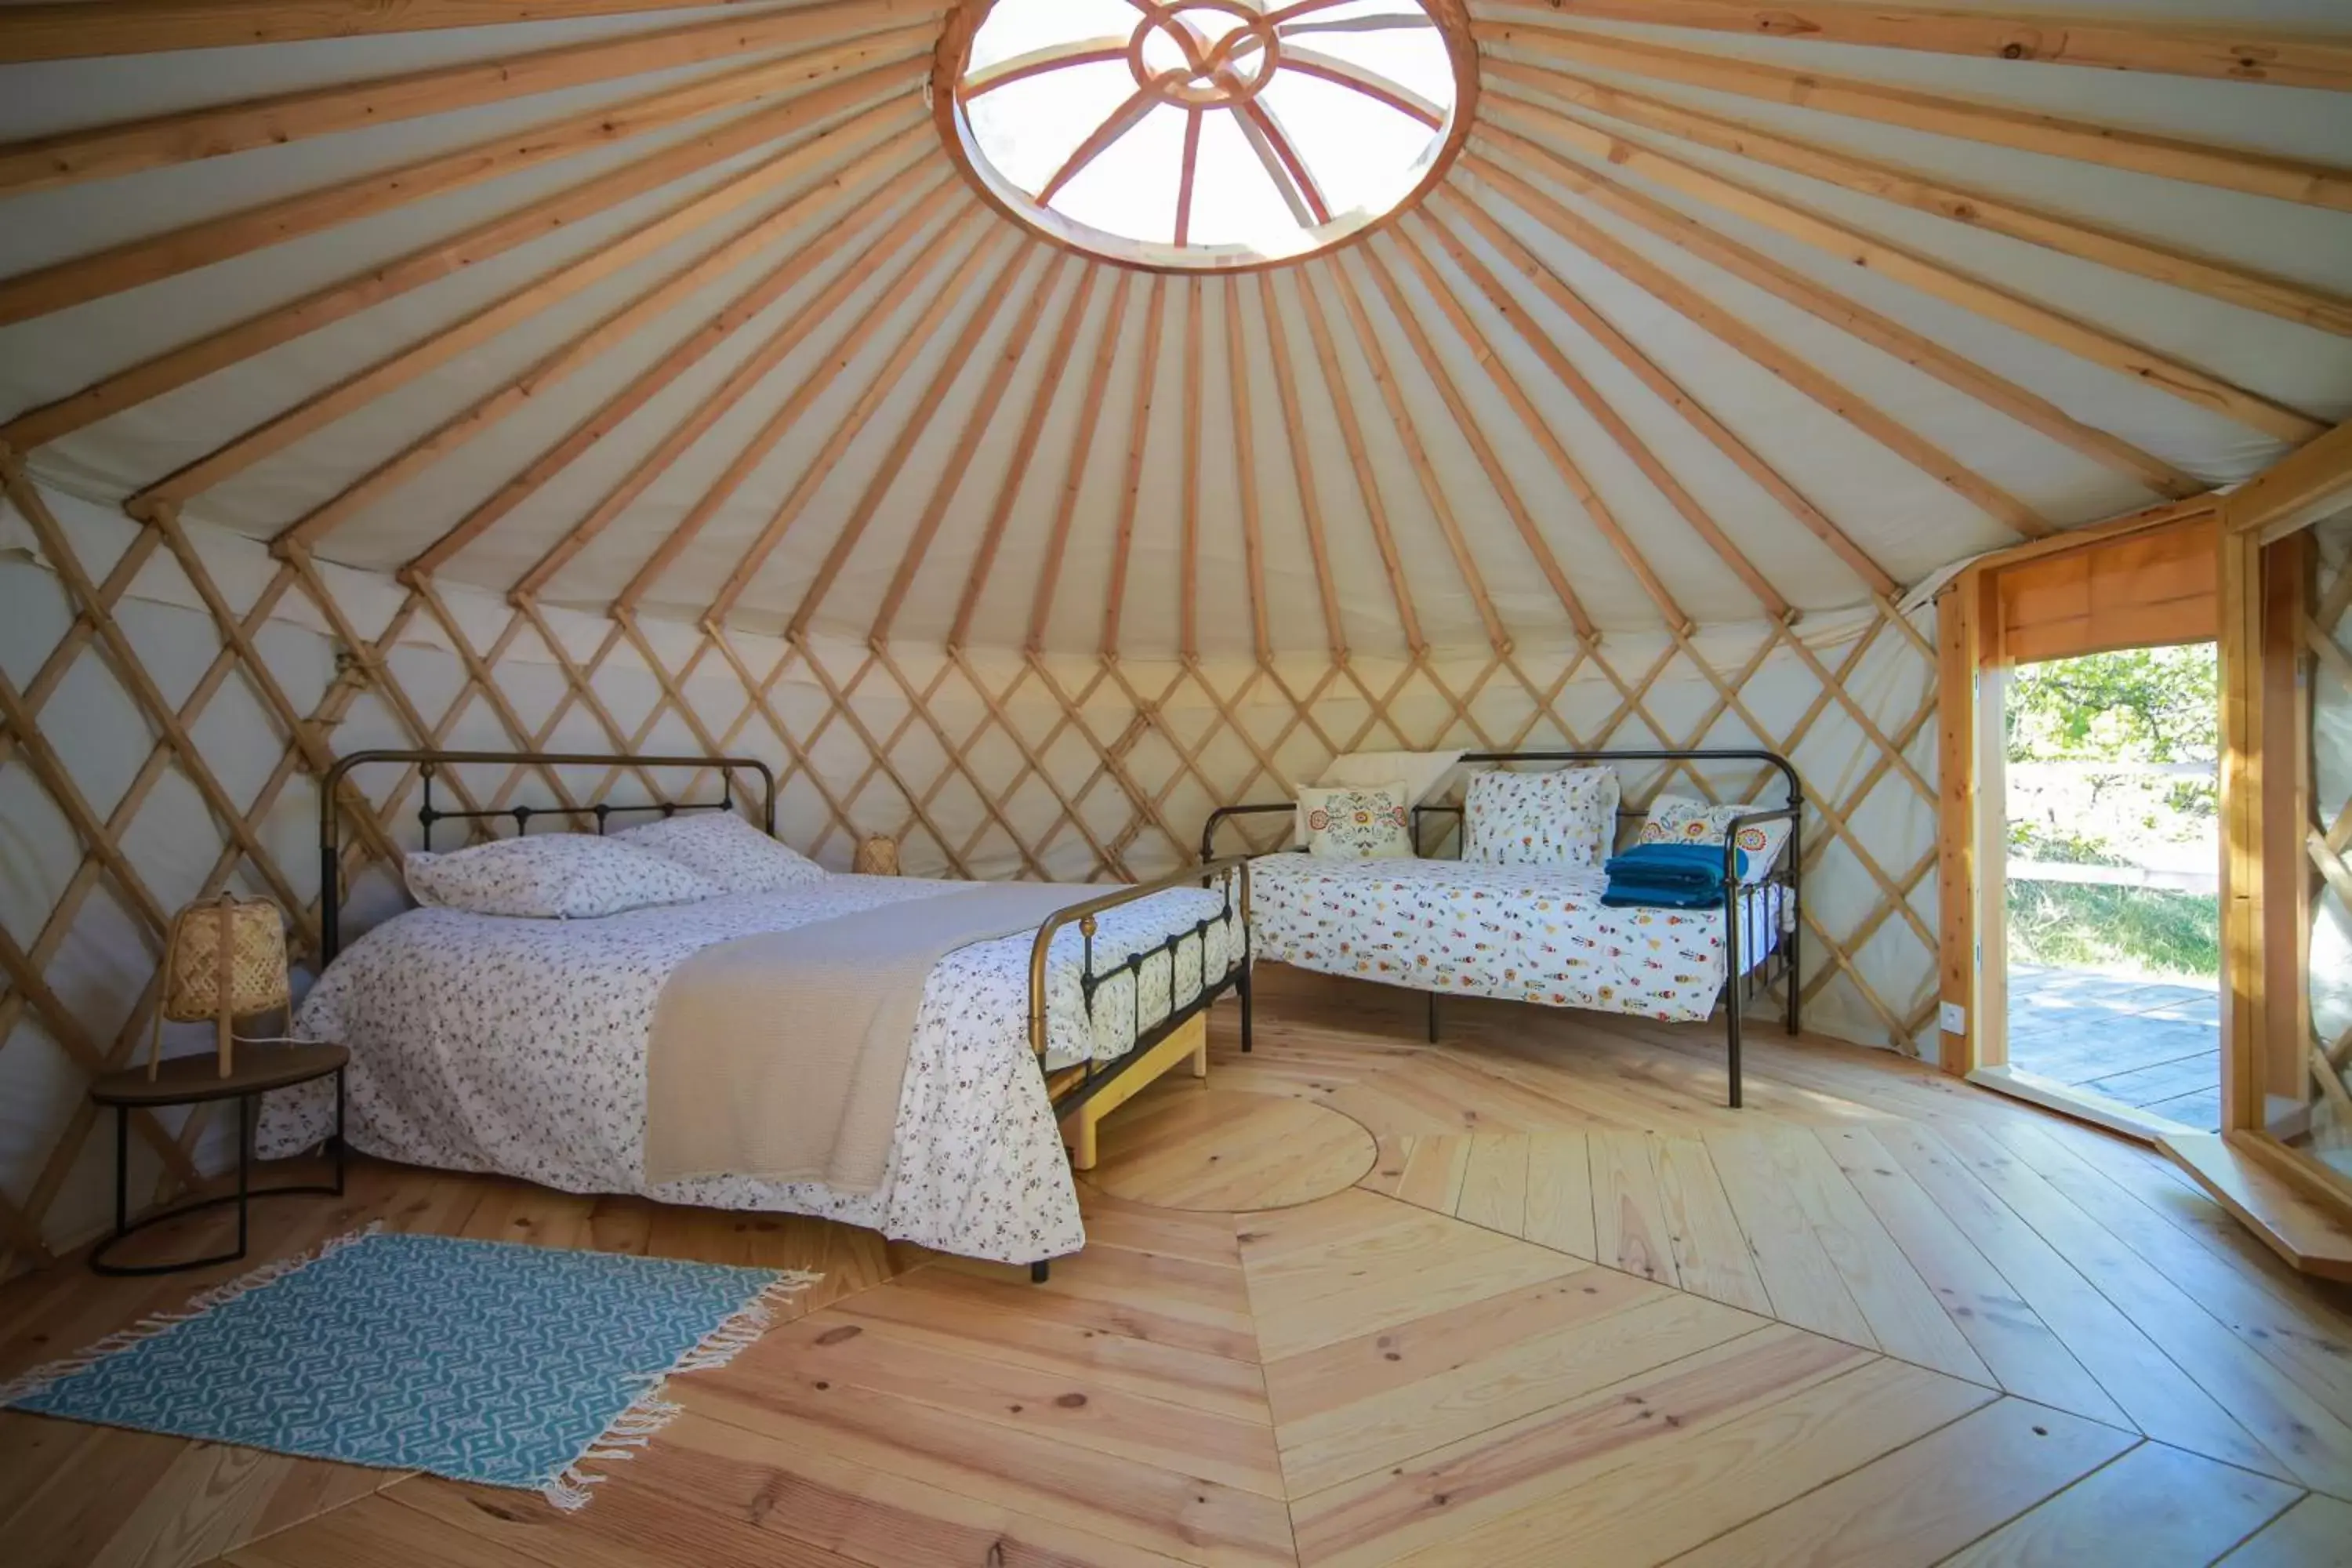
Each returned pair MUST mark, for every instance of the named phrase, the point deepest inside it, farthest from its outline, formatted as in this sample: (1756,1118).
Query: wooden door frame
(2293,1204)
(2297,1205)
(1972,675)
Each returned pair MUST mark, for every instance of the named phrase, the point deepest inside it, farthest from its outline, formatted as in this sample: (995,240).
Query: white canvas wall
(988,763)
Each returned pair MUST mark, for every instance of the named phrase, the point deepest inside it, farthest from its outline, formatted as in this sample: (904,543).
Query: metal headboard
(427,762)
(1773,759)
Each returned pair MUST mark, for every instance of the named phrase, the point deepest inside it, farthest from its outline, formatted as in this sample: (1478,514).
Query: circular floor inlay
(1228,1152)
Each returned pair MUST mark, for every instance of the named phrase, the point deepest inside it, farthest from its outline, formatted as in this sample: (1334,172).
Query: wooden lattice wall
(2326,635)
(168,695)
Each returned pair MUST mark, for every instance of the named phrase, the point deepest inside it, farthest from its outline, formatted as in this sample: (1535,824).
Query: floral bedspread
(1524,933)
(518,1046)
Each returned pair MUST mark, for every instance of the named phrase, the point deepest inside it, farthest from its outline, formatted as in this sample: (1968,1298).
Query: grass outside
(2149,931)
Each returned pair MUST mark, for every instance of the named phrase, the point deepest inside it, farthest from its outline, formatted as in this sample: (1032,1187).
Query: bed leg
(1243,986)
(1731,1042)
(1084,1148)
(1201,1054)
(1039,1270)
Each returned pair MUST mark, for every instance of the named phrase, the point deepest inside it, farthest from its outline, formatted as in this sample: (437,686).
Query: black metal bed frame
(1095,1077)
(1741,983)
(428,763)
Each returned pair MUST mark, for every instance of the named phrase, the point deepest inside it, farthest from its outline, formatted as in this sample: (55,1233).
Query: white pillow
(1420,773)
(727,849)
(1567,818)
(1677,819)
(555,876)
(1358,822)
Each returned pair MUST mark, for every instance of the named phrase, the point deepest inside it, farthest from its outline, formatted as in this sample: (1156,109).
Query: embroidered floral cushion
(1677,819)
(728,850)
(1358,822)
(1420,772)
(1567,818)
(553,876)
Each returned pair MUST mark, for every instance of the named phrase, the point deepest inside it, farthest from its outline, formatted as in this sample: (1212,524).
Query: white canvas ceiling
(1702,326)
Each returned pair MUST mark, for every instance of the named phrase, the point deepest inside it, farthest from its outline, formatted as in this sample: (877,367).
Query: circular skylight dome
(1208,133)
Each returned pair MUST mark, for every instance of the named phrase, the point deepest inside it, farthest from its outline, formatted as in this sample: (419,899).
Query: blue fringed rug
(479,1361)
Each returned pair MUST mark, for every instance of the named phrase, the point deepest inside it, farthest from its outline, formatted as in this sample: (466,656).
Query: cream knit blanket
(782,1056)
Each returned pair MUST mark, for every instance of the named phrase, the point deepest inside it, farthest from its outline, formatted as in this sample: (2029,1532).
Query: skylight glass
(1206,132)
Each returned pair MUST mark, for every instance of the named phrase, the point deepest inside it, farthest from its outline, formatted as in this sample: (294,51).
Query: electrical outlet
(1955,1018)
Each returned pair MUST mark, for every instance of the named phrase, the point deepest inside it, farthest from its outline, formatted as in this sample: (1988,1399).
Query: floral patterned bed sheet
(1524,933)
(518,1046)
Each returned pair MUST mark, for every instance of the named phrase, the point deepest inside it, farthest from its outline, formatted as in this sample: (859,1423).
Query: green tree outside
(2150,706)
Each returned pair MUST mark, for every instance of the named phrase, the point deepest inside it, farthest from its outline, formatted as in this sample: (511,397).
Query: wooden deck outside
(2146,1044)
(1571,1311)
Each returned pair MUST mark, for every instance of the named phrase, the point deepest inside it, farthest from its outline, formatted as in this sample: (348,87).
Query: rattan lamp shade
(223,959)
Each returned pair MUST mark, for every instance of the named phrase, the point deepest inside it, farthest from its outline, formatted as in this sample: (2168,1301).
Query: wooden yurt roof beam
(1883,333)
(985,407)
(911,430)
(2305,485)
(1622,349)
(614,328)
(81,29)
(1074,469)
(2084,339)
(2115,146)
(1244,436)
(213,240)
(781,171)
(1611,422)
(1483,351)
(212,131)
(1798,372)
(837,360)
(1138,437)
(1302,468)
(1187,520)
(1433,366)
(1972,205)
(780,341)
(1571,474)
(215,350)
(1024,450)
(1368,484)
(2072,37)
(1425,473)
(951,291)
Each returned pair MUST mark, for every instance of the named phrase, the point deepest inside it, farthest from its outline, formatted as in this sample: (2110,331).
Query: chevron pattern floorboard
(1571,1311)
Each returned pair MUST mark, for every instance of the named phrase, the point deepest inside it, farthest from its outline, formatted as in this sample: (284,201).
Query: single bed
(1538,934)
(515,1046)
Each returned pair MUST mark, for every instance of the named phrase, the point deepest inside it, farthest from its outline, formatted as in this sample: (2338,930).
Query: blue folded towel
(1669,875)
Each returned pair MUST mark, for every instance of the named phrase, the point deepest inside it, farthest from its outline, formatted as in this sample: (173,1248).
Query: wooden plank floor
(1574,1311)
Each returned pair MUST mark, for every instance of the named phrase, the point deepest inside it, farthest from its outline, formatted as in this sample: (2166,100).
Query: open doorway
(2113,912)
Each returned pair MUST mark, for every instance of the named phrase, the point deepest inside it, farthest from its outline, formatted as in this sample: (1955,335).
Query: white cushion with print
(1567,818)
(728,850)
(1358,822)
(1677,819)
(1420,773)
(554,875)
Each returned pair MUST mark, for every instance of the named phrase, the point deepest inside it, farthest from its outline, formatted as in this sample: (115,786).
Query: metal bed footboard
(1742,982)
(1233,874)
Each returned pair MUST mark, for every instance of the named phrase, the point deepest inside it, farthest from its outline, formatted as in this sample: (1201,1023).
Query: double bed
(520,1046)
